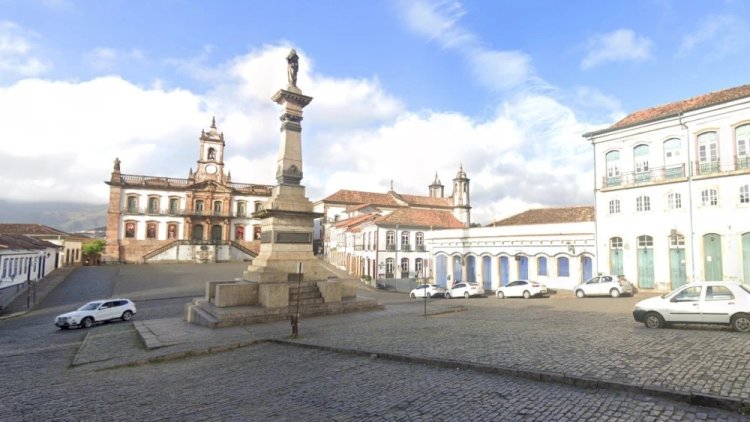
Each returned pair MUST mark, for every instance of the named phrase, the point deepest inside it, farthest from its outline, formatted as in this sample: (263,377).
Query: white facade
(559,255)
(672,202)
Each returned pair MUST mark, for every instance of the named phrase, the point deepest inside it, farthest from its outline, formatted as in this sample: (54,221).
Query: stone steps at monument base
(305,294)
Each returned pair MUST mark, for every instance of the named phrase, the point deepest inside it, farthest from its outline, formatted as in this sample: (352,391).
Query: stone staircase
(306,292)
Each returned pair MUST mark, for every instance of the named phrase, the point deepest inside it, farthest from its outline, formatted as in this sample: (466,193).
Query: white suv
(97,311)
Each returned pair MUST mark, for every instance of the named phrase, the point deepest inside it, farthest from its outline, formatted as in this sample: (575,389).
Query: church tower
(210,156)
(461,201)
(437,190)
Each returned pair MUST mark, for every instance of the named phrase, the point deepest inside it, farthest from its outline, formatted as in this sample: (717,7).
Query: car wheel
(87,322)
(466,295)
(447,295)
(526,294)
(429,295)
(127,315)
(580,293)
(501,295)
(653,320)
(614,293)
(741,323)
(412,296)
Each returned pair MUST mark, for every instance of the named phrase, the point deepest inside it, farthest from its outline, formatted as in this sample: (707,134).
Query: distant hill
(66,216)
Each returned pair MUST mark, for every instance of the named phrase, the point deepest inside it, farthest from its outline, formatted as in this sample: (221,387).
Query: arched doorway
(216,233)
(198,232)
(487,272)
(441,270)
(470,272)
(677,270)
(588,267)
(457,269)
(646,262)
(523,267)
(504,270)
(746,257)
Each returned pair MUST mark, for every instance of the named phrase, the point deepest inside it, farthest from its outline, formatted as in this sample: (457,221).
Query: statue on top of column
(292,67)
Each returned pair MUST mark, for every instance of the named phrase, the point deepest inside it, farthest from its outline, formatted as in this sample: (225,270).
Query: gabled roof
(390,199)
(361,207)
(19,241)
(351,222)
(31,229)
(415,217)
(675,108)
(549,216)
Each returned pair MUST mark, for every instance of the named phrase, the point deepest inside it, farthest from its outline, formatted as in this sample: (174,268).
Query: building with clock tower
(203,218)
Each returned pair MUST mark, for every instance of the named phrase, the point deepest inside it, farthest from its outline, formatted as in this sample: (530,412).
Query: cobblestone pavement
(107,372)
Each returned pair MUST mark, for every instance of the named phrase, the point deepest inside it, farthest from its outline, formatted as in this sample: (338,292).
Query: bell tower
(437,190)
(211,155)
(461,201)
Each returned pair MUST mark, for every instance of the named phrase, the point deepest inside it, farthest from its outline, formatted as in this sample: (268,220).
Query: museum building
(203,218)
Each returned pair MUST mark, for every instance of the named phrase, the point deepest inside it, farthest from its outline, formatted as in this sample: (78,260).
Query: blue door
(523,267)
(588,268)
(487,272)
(470,273)
(456,269)
(441,270)
(504,270)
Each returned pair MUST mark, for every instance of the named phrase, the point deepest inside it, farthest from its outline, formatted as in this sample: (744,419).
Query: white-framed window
(390,238)
(404,239)
(744,194)
(612,159)
(645,241)
(614,206)
(742,141)
(640,158)
(708,153)
(672,149)
(615,243)
(404,265)
(420,239)
(676,241)
(419,267)
(674,200)
(643,203)
(389,265)
(709,197)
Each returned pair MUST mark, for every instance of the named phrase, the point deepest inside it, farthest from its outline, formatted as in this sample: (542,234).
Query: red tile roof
(19,241)
(31,229)
(673,109)
(415,217)
(549,216)
(390,199)
(349,222)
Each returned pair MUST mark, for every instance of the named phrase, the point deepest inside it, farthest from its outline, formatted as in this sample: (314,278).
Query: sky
(402,90)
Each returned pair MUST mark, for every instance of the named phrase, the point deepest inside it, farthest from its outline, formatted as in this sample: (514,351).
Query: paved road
(53,374)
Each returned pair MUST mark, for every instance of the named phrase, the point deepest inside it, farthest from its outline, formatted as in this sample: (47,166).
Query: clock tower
(211,156)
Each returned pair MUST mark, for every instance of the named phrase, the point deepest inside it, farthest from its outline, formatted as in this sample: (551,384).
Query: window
(4,263)
(217,207)
(615,243)
(199,206)
(151,230)
(640,161)
(211,154)
(405,240)
(674,200)
(174,204)
(613,168)
(614,206)
(676,241)
(708,153)
(563,269)
(645,241)
(172,231)
(709,197)
(130,230)
(742,138)
(671,151)
(541,266)
(420,239)
(257,206)
(404,265)
(153,205)
(389,266)
(419,267)
(690,294)
(132,203)
(744,195)
(241,209)
(643,203)
(256,232)
(718,293)
(390,238)
(239,233)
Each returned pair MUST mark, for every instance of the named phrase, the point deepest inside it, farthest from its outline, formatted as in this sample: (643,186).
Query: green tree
(93,249)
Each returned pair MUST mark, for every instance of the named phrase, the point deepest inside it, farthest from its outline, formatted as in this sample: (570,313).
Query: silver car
(604,285)
(427,290)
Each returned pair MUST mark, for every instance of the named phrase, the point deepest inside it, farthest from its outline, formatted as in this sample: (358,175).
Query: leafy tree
(94,248)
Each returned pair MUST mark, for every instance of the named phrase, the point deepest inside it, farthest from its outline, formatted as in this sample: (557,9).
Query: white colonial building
(554,246)
(203,218)
(671,192)
(23,259)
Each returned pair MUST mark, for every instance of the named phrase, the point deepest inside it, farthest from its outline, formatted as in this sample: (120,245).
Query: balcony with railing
(659,175)
(405,247)
(420,248)
(390,247)
(175,212)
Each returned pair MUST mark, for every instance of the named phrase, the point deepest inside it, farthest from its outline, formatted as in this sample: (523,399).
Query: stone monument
(285,274)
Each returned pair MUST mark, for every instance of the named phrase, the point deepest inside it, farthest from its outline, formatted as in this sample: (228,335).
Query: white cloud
(617,46)
(107,59)
(16,50)
(718,36)
(440,21)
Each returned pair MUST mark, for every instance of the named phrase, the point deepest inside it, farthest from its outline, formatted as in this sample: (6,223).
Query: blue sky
(402,89)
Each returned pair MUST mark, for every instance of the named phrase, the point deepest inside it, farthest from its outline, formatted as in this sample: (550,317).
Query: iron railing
(739,164)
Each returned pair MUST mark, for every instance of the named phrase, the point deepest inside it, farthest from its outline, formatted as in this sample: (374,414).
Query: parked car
(428,290)
(604,285)
(463,289)
(97,311)
(521,288)
(708,302)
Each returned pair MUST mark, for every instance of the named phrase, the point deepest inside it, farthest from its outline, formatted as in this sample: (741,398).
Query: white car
(604,285)
(709,302)
(97,311)
(427,290)
(463,290)
(521,288)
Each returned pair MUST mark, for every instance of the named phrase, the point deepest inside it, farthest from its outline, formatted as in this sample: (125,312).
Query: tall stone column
(112,251)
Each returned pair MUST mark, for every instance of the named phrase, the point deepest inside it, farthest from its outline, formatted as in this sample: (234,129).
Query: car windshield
(90,306)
